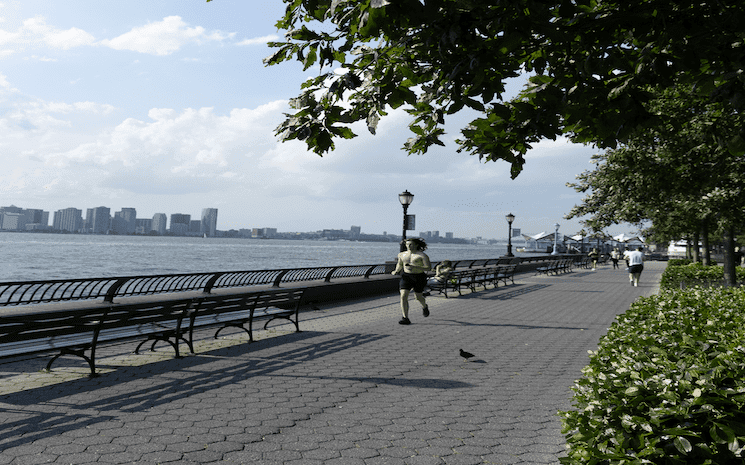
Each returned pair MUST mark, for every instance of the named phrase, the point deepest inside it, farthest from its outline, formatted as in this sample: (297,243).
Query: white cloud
(37,30)
(163,37)
(259,40)
(36,33)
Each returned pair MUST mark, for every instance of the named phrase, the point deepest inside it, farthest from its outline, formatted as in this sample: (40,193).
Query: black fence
(37,292)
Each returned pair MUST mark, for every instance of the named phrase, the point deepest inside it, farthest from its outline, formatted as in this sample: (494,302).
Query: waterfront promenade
(354,387)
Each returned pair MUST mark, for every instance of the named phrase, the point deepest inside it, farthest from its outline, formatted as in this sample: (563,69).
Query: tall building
(125,221)
(159,223)
(68,219)
(144,226)
(209,222)
(13,221)
(195,228)
(10,209)
(180,224)
(98,220)
(34,216)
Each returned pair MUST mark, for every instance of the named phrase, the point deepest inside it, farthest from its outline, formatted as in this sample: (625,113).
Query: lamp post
(510,218)
(556,237)
(405,198)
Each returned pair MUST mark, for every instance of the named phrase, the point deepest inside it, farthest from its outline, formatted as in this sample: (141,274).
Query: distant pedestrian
(614,256)
(594,256)
(626,253)
(636,265)
(413,265)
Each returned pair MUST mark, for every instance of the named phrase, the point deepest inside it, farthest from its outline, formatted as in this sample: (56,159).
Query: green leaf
(683,445)
(736,145)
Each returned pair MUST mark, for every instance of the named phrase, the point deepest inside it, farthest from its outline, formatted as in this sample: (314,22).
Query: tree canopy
(592,64)
(679,175)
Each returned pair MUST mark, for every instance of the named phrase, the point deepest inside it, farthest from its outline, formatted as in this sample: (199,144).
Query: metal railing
(38,292)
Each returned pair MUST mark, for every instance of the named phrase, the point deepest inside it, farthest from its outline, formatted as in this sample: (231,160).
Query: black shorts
(636,268)
(416,281)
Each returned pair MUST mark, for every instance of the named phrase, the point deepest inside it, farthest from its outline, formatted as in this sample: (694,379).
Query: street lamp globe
(406,198)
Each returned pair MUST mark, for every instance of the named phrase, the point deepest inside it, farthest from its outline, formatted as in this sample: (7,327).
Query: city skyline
(125,221)
(99,220)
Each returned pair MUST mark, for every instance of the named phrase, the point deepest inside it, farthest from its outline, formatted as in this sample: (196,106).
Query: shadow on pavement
(137,389)
(515,290)
(448,322)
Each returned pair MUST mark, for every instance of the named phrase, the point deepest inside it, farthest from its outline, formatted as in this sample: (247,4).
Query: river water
(27,256)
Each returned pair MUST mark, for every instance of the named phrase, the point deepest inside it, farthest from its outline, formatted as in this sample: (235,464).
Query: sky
(166,106)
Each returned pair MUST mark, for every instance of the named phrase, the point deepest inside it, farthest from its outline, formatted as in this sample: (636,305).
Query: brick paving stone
(353,388)
(424,460)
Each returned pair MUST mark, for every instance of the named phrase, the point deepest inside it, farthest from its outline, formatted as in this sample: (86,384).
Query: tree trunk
(696,254)
(688,247)
(730,275)
(705,241)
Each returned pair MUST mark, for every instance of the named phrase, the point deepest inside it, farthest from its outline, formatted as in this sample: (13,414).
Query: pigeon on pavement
(465,354)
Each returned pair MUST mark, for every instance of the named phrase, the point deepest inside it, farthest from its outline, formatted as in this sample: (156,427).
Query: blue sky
(166,106)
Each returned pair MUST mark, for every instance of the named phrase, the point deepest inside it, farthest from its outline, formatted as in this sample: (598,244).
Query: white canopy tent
(626,238)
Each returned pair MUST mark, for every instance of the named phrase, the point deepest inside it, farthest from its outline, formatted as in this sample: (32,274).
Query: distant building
(195,227)
(13,221)
(10,209)
(68,219)
(143,226)
(14,218)
(448,235)
(354,232)
(35,216)
(180,224)
(125,221)
(264,232)
(98,220)
(159,223)
(209,222)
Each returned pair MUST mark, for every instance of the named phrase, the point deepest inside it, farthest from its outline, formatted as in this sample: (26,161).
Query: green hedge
(666,385)
(695,274)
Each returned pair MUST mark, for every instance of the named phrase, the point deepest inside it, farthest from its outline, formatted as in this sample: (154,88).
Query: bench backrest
(281,298)
(41,325)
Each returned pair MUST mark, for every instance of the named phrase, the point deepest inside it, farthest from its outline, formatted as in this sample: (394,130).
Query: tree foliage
(679,175)
(592,64)
(674,174)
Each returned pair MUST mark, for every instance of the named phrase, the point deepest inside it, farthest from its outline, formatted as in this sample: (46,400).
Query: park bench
(505,272)
(562,265)
(551,267)
(456,281)
(473,278)
(237,311)
(79,330)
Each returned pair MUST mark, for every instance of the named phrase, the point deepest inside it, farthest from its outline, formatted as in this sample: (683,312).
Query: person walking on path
(614,256)
(636,265)
(413,265)
(594,256)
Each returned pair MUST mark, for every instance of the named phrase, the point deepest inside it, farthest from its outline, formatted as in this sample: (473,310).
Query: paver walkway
(354,387)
